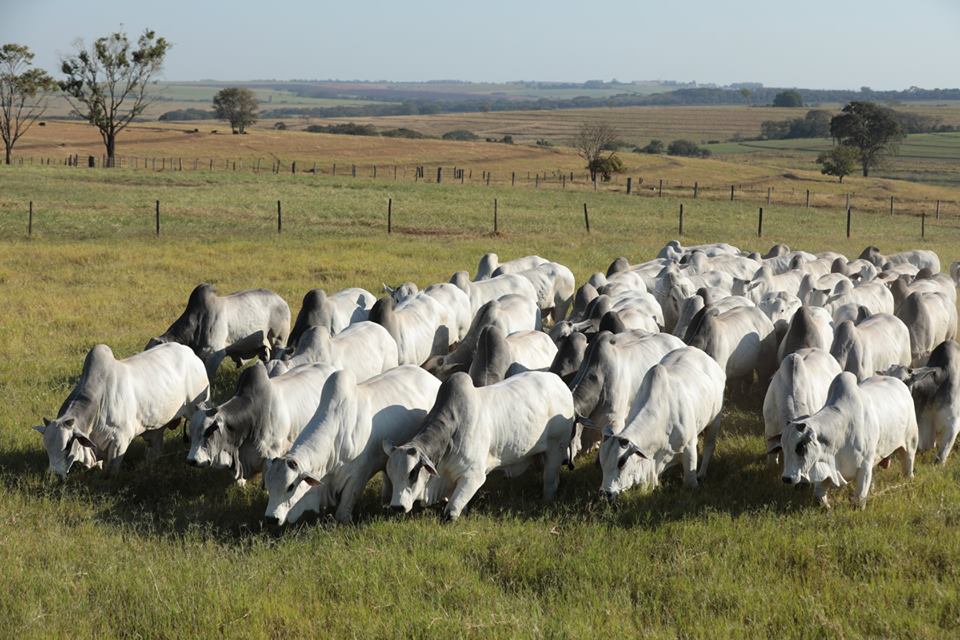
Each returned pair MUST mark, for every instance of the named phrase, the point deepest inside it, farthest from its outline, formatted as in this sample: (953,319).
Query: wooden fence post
(389,216)
(891,205)
(439,175)
(537,183)
(513,178)
(731,193)
(769,189)
(30,220)
(849,214)
(279,218)
(808,199)
(696,188)
(353,171)
(293,167)
(660,189)
(760,224)
(848,201)
(586,216)
(158,217)
(923,225)
(629,185)
(938,209)
(488,178)
(496,227)
(681,219)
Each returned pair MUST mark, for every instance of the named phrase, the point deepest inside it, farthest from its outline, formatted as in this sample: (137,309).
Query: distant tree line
(816,124)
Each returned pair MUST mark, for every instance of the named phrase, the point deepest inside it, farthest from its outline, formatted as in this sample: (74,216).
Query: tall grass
(165,550)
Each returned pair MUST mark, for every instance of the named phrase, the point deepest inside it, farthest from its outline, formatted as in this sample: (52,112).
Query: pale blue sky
(812,43)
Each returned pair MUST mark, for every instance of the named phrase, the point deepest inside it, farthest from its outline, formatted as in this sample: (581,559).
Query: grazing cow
(902,286)
(741,340)
(673,250)
(810,328)
(555,286)
(472,431)
(211,323)
(259,422)
(680,398)
(860,426)
(798,389)
(455,300)
(117,400)
(365,348)
(586,294)
(611,374)
(931,318)
(490,262)
(483,291)
(816,290)
(873,345)
(690,306)
(571,350)
(420,326)
(936,398)
(764,281)
(511,313)
(498,353)
(335,312)
(341,447)
(919,258)
(874,296)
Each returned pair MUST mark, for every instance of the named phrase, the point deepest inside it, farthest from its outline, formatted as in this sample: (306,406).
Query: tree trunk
(866,169)
(111,148)
(9,152)
(841,179)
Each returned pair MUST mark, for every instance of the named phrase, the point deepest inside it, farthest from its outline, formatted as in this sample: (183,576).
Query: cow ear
(427,464)
(388,447)
(634,449)
(309,478)
(83,440)
(47,422)
(388,289)
(40,428)
(773,444)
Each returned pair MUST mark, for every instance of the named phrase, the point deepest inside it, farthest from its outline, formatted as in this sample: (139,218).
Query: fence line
(632,185)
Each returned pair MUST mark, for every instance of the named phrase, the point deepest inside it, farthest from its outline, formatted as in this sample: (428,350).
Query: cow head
(409,469)
(212,436)
(804,456)
(66,445)
(623,463)
(286,482)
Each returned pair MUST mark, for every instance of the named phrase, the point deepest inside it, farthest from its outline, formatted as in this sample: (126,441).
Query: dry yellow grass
(58,139)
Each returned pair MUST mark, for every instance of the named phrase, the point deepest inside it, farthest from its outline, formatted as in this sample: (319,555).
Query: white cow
(555,286)
(874,345)
(741,340)
(931,318)
(874,296)
(472,431)
(421,326)
(455,300)
(483,291)
(499,355)
(690,306)
(117,400)
(919,258)
(810,327)
(259,422)
(798,389)
(341,447)
(335,312)
(860,426)
(490,262)
(364,348)
(680,398)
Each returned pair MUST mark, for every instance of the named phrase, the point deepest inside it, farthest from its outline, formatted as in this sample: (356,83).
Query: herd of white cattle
(438,387)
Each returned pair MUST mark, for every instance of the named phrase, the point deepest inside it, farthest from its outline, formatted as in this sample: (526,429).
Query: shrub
(187,114)
(460,134)
(654,146)
(606,167)
(403,133)
(348,129)
(687,148)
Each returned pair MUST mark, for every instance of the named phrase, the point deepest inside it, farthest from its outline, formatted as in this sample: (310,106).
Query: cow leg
(348,497)
(551,471)
(820,494)
(114,458)
(709,445)
(947,438)
(864,479)
(688,457)
(906,461)
(466,487)
(386,492)
(154,440)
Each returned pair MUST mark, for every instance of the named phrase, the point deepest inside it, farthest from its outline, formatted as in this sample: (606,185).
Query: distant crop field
(167,550)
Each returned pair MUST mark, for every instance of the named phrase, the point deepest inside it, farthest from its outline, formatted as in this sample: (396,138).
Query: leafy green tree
(23,92)
(839,161)
(654,147)
(687,148)
(789,98)
(107,85)
(874,131)
(238,106)
(606,167)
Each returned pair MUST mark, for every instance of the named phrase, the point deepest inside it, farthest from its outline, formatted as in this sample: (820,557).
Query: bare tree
(107,85)
(591,141)
(23,92)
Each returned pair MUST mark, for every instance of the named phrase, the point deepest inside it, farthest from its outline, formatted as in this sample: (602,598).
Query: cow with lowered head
(211,324)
